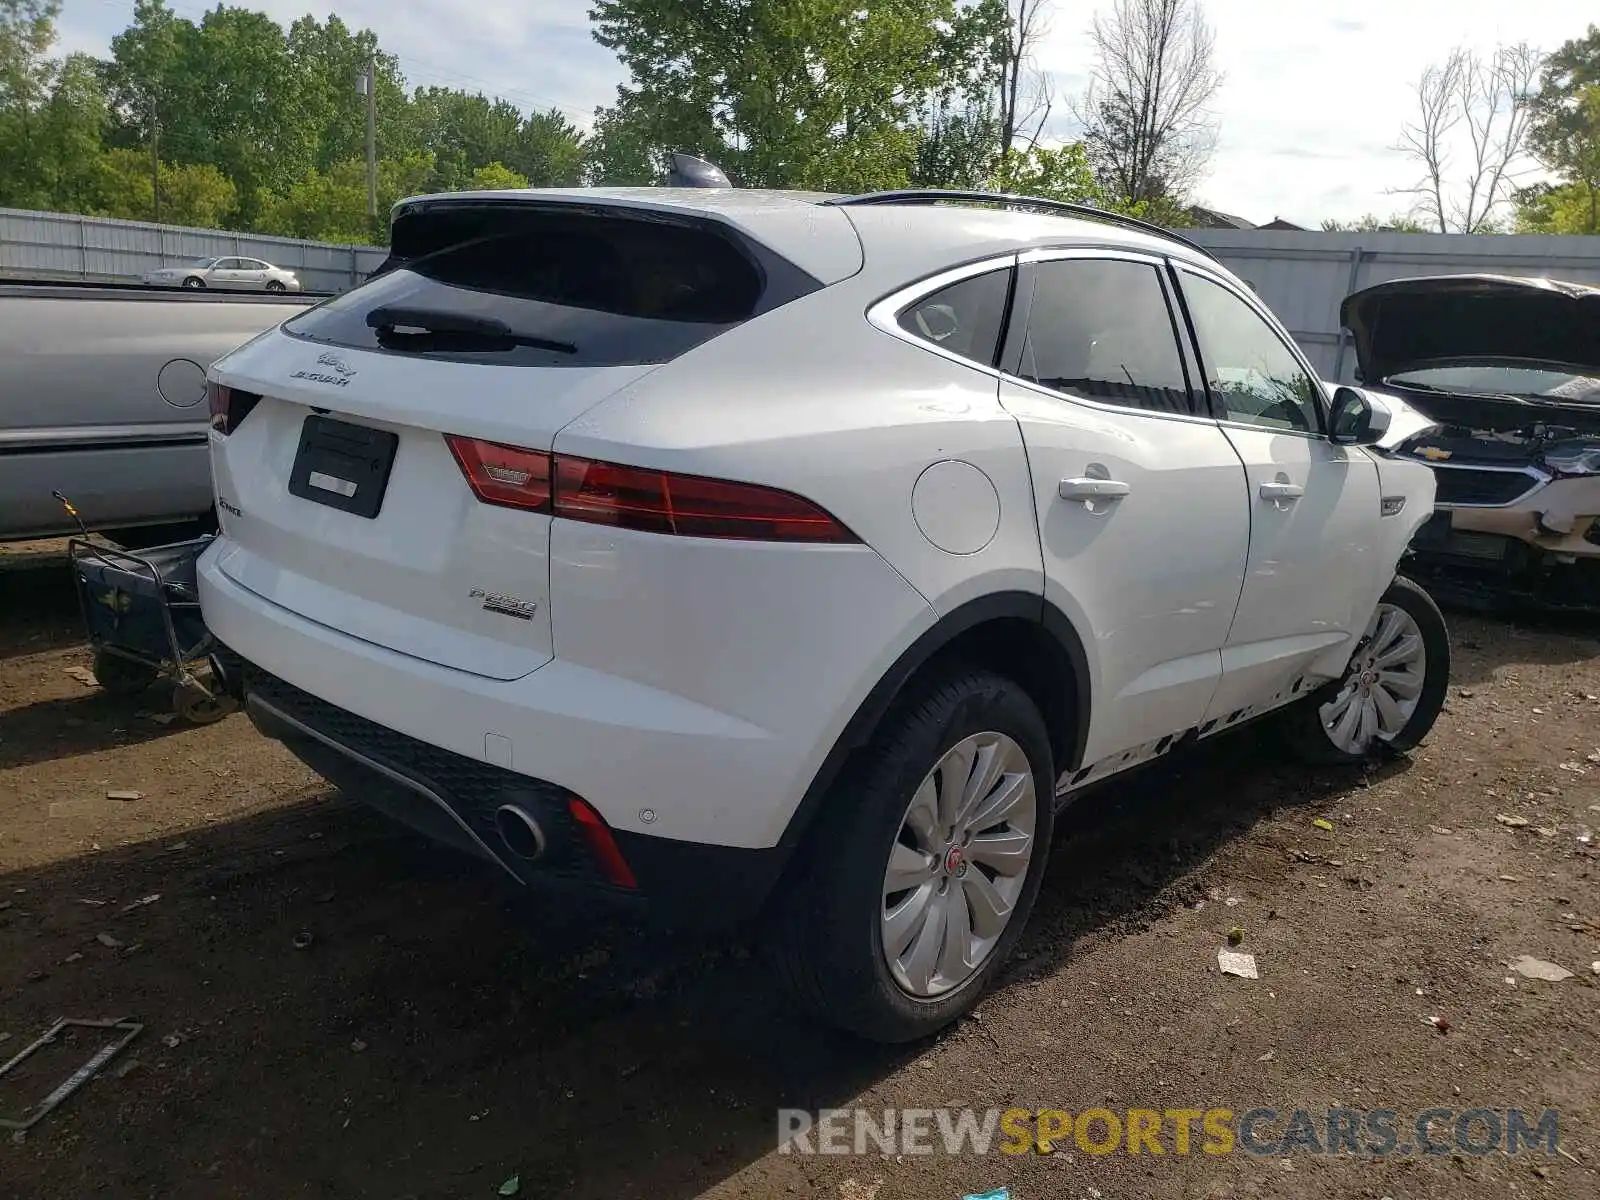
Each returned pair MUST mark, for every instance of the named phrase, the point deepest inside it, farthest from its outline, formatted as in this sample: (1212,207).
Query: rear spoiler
(686,171)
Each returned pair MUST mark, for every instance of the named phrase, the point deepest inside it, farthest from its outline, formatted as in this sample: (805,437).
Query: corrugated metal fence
(1303,276)
(37,245)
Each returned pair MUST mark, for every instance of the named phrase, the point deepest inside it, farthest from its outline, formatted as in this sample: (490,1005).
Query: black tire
(275,285)
(122,677)
(194,282)
(1301,725)
(825,943)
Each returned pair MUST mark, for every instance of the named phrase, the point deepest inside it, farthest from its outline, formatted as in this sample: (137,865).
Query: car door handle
(1088,488)
(1277,491)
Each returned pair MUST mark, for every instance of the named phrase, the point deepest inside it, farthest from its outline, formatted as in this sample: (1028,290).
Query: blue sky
(1312,104)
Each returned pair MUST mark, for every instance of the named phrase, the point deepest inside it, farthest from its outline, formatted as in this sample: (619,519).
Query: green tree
(1053,173)
(1566,138)
(198,195)
(331,206)
(70,126)
(495,176)
(328,59)
(27,79)
(783,93)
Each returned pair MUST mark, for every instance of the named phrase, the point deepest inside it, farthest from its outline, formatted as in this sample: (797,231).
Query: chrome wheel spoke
(1402,686)
(989,909)
(954,770)
(906,919)
(956,957)
(1403,651)
(908,868)
(1004,803)
(922,818)
(987,768)
(929,944)
(1008,853)
(1391,719)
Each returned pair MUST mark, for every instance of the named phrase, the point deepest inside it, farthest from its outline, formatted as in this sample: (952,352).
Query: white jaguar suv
(797,557)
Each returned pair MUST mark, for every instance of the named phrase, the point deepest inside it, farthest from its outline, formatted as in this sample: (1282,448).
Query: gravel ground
(441,1035)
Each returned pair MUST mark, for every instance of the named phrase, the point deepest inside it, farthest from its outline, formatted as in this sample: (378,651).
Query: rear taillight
(600,493)
(504,475)
(228,406)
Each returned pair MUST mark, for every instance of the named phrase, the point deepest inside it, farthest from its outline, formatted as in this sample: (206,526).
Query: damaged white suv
(796,556)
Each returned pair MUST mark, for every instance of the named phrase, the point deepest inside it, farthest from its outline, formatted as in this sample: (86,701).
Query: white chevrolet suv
(795,556)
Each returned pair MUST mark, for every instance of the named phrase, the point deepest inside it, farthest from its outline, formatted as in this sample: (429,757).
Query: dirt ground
(441,1035)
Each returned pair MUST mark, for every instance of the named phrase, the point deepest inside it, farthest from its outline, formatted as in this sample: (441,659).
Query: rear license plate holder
(342,465)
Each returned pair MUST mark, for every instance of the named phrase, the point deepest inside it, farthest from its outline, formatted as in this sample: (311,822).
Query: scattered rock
(73,957)
(1232,902)
(358,1046)
(1510,879)
(1513,822)
(1267,1057)
(128,1068)
(1242,965)
(128,908)
(126,796)
(83,675)
(1537,968)
(108,941)
(1576,768)
(1235,936)
(511,1186)
(172,1041)
(303,940)
(1439,1023)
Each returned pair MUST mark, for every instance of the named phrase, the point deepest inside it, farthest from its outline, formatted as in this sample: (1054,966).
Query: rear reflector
(228,406)
(639,498)
(597,834)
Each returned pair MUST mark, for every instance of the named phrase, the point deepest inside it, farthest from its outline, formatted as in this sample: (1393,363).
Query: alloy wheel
(1382,686)
(958,865)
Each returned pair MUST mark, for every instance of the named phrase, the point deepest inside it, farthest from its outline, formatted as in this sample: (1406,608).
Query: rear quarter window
(546,289)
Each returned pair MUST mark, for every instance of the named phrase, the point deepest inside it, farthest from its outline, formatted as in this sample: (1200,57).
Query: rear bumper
(454,800)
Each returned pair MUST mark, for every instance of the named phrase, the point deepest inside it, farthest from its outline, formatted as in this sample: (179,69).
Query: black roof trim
(1064,207)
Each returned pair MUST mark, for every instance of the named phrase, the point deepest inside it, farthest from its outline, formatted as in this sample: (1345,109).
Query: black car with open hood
(1509,369)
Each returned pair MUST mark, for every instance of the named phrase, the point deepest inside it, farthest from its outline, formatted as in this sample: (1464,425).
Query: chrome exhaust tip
(520,833)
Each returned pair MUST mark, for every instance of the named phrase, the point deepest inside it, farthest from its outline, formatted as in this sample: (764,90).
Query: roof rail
(1064,207)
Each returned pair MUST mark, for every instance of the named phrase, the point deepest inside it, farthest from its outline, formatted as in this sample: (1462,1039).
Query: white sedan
(235,274)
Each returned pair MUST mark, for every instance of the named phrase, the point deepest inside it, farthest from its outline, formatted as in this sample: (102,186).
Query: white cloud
(1315,94)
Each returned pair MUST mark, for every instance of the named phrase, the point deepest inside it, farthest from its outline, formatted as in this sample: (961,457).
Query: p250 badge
(506,606)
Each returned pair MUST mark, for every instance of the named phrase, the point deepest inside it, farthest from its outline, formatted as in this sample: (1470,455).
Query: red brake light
(687,505)
(504,475)
(603,493)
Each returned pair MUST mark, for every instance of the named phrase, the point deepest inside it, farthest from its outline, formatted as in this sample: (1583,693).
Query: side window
(1251,374)
(964,318)
(229,264)
(1102,329)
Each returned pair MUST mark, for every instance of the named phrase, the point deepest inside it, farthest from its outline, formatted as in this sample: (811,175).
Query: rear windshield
(543,289)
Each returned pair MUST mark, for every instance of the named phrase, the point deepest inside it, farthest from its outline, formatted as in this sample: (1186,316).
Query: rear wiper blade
(419,327)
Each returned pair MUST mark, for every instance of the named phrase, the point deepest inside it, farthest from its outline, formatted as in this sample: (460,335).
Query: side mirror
(1354,420)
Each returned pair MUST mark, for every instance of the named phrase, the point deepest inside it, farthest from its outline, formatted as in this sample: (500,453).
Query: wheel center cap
(1368,678)
(955,862)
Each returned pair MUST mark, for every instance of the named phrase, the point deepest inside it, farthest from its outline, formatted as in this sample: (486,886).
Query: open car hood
(1408,323)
